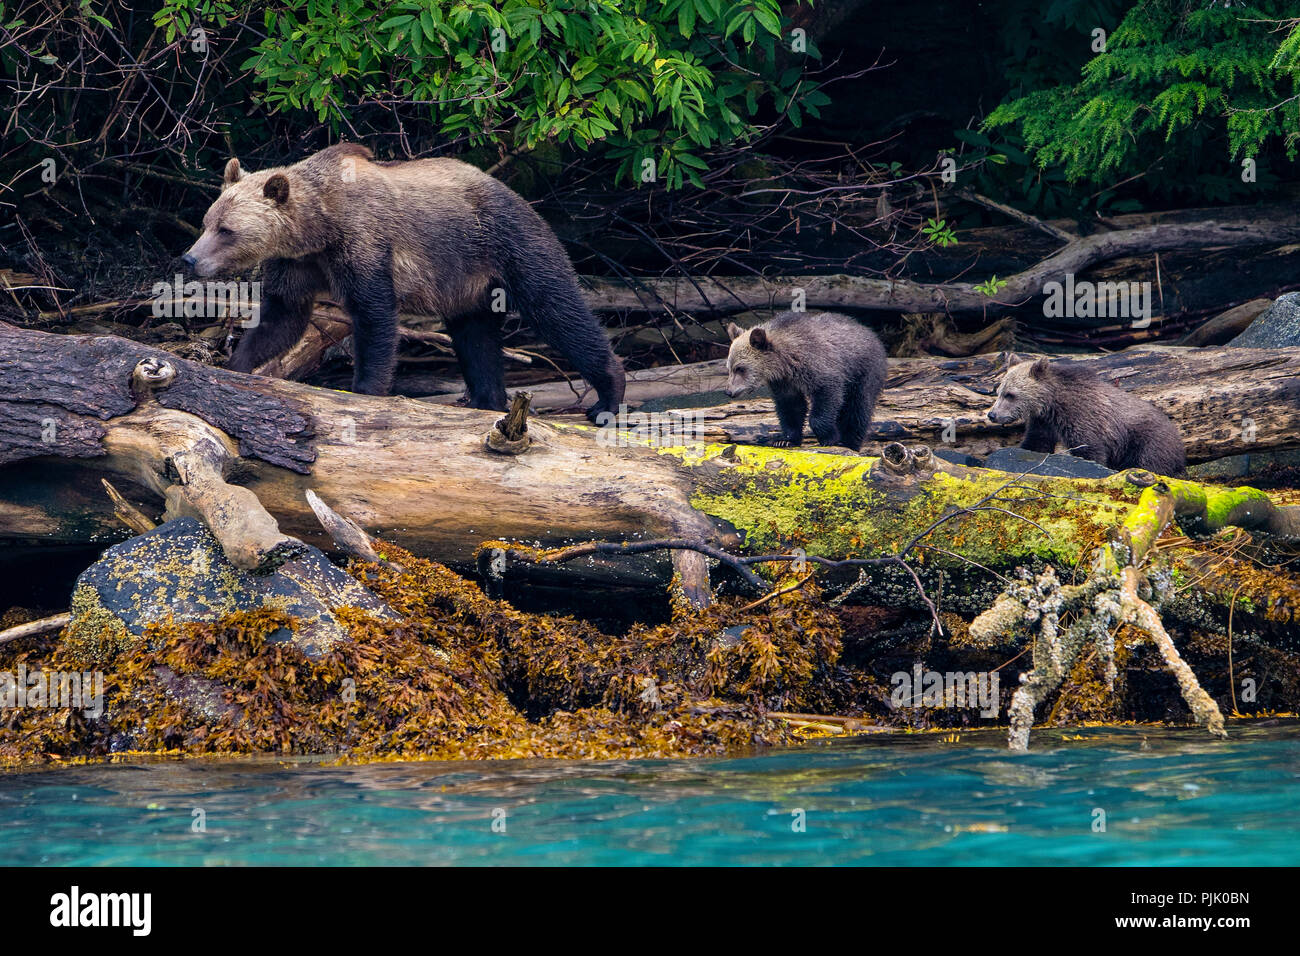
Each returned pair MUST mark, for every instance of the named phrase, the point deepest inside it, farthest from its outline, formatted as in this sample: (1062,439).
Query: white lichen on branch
(1114,594)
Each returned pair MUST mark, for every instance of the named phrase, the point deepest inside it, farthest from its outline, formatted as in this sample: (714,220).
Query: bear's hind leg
(582,340)
(824,418)
(476,339)
(541,284)
(855,416)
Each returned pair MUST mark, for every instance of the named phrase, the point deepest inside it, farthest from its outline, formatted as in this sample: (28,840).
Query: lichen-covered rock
(178,570)
(1277,327)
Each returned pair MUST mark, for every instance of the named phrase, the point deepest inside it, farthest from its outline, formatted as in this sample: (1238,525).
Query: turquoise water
(1170,797)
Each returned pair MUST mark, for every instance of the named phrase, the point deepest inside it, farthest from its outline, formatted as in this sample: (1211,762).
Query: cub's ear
(758,338)
(734,331)
(1012,359)
(1039,368)
(233,173)
(277,188)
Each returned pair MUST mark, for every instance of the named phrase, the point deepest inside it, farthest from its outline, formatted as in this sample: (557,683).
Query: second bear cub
(825,360)
(1065,402)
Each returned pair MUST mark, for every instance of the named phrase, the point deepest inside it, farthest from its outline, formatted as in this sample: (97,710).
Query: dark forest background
(784,139)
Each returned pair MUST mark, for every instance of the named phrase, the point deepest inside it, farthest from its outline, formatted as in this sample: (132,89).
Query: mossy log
(241,452)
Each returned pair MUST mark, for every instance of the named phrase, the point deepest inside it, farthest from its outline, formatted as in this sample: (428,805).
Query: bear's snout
(188,261)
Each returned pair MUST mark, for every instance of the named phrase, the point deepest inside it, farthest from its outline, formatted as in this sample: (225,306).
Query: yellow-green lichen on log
(839,506)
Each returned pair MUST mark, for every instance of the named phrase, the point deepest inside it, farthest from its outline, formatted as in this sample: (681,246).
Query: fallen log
(242,451)
(1225,401)
(712,295)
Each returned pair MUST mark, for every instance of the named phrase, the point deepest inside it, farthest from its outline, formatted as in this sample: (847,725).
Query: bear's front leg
(791,412)
(282,314)
(371,301)
(824,420)
(1039,436)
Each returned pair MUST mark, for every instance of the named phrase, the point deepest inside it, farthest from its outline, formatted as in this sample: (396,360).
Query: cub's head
(1023,393)
(254,219)
(752,361)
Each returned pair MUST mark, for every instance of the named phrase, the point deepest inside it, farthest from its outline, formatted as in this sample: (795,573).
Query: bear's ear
(1012,359)
(277,188)
(1039,369)
(758,338)
(233,173)
(734,331)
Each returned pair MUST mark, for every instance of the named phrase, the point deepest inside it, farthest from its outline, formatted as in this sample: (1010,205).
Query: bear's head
(256,217)
(1025,391)
(753,360)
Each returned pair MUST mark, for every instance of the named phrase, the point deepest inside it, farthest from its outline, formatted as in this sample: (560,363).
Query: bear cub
(825,360)
(1065,402)
(431,236)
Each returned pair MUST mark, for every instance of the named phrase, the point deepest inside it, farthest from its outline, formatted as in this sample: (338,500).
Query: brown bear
(1065,402)
(827,360)
(434,236)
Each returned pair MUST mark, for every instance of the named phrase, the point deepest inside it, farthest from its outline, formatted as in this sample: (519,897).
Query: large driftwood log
(242,451)
(1225,401)
(410,471)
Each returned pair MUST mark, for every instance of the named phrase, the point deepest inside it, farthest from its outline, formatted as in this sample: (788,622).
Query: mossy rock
(179,571)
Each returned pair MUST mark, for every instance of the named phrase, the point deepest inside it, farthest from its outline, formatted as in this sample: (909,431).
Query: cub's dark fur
(826,360)
(1065,402)
(433,236)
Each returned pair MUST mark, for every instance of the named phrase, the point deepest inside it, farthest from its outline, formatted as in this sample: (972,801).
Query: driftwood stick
(509,435)
(43,626)
(443,341)
(716,295)
(350,537)
(129,514)
(249,536)
(1144,617)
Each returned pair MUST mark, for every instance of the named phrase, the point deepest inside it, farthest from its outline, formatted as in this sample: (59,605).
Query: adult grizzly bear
(434,236)
(1066,402)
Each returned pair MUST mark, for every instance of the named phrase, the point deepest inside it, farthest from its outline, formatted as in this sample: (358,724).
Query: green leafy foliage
(656,83)
(1182,95)
(939,232)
